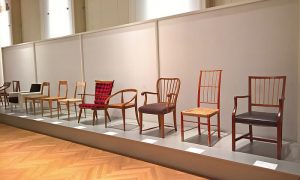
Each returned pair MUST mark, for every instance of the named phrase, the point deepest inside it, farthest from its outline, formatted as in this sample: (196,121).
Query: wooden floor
(28,155)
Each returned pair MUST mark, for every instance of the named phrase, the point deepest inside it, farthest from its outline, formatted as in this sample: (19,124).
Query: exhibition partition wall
(253,39)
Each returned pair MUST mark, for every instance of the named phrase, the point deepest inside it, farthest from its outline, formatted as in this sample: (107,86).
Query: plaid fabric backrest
(103,91)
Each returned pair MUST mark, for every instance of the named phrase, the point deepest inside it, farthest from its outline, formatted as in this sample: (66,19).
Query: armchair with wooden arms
(264,92)
(131,103)
(4,94)
(167,94)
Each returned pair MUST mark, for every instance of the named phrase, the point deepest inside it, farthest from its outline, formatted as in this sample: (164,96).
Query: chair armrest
(236,104)
(122,92)
(145,93)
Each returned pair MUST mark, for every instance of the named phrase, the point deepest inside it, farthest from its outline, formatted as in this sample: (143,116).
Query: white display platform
(192,156)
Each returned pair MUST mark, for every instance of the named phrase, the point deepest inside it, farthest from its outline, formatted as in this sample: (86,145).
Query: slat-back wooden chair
(209,90)
(61,85)
(79,90)
(167,94)
(37,98)
(266,92)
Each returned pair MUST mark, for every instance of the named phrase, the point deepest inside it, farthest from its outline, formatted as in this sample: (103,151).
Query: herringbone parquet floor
(28,155)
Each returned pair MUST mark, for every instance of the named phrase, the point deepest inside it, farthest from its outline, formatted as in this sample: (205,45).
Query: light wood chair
(208,93)
(79,90)
(37,97)
(131,103)
(61,85)
(167,94)
(264,92)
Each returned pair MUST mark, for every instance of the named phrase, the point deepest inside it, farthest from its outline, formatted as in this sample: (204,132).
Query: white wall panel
(256,39)
(18,64)
(126,55)
(59,60)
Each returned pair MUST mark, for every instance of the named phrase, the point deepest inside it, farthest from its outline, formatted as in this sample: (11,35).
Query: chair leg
(33,102)
(79,115)
(26,106)
(136,115)
(105,117)
(123,116)
(50,108)
(84,113)
(182,127)
(162,123)
(94,116)
(251,133)
(208,132)
(233,134)
(141,122)
(199,126)
(42,107)
(75,106)
(175,121)
(58,105)
(68,108)
(279,141)
(219,125)
(108,116)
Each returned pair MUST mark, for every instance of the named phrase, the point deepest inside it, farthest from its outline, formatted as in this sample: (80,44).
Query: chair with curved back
(167,94)
(131,103)
(103,90)
(36,98)
(263,92)
(209,88)
(4,94)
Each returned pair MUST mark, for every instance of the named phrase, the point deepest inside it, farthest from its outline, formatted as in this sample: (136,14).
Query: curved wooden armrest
(236,104)
(145,93)
(122,99)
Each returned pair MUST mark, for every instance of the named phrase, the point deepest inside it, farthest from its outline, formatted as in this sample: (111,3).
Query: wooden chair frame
(208,93)
(55,98)
(3,93)
(123,105)
(163,88)
(37,98)
(73,100)
(277,101)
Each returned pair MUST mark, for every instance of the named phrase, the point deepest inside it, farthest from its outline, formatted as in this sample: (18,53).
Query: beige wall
(16,21)
(31,25)
(79,16)
(1,67)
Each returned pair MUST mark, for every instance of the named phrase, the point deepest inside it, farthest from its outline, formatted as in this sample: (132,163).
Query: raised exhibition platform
(251,161)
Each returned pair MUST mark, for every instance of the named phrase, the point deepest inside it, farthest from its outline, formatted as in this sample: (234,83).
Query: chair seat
(36,97)
(91,106)
(257,118)
(53,98)
(200,112)
(156,108)
(13,100)
(120,105)
(72,100)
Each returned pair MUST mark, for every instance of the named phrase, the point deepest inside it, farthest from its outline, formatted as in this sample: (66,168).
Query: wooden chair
(264,92)
(16,86)
(51,99)
(80,86)
(4,94)
(37,97)
(102,92)
(208,93)
(132,102)
(167,94)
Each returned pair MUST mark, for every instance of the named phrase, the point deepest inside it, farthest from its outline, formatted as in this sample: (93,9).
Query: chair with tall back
(131,103)
(167,94)
(61,85)
(264,92)
(209,89)
(36,98)
(103,90)
(79,90)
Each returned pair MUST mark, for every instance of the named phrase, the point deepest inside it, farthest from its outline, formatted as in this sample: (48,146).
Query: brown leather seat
(257,118)
(156,108)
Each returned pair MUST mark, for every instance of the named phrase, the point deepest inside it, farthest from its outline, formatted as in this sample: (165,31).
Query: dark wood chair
(103,90)
(167,94)
(264,92)
(36,98)
(4,94)
(61,85)
(131,103)
(209,88)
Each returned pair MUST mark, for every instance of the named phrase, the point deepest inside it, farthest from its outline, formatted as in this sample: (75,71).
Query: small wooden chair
(4,94)
(51,99)
(266,92)
(124,105)
(80,86)
(208,93)
(167,94)
(37,98)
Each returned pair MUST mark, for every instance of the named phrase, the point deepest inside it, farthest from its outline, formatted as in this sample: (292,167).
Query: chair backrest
(63,85)
(5,86)
(165,86)
(16,86)
(35,88)
(266,90)
(103,90)
(81,87)
(46,86)
(209,87)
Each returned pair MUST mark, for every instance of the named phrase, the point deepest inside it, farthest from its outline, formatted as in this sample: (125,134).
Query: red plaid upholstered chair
(102,92)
